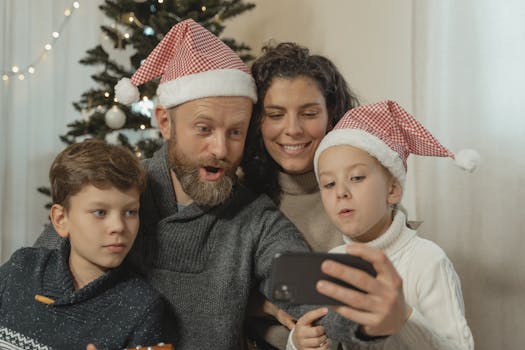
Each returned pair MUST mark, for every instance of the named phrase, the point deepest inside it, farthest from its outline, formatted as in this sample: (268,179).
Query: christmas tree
(139,24)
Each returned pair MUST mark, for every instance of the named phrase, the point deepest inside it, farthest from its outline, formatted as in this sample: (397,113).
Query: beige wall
(369,40)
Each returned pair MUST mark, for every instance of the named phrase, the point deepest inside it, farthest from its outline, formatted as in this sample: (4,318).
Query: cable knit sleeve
(437,321)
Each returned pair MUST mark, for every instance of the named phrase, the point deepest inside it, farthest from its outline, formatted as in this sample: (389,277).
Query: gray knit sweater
(206,260)
(104,312)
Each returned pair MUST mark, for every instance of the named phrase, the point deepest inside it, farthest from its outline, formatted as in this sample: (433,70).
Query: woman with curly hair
(301,96)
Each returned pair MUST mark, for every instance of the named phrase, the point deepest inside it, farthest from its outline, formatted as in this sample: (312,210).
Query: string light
(20,73)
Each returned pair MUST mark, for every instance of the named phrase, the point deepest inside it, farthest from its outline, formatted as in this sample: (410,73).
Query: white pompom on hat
(387,132)
(192,63)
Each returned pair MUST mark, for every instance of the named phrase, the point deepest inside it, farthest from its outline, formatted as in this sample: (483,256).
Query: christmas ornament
(115,118)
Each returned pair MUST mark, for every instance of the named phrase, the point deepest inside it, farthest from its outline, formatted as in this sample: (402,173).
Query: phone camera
(282,292)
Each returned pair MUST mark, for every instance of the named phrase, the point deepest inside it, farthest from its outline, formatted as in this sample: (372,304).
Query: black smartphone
(294,276)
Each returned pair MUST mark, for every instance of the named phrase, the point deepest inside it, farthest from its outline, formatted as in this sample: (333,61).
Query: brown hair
(288,60)
(94,162)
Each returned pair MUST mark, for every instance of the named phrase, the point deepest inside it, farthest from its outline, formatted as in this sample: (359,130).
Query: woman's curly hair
(288,60)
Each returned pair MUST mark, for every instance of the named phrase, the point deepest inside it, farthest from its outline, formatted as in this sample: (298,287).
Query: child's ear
(58,216)
(395,192)
(163,121)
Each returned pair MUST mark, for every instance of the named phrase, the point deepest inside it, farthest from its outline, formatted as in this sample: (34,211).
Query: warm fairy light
(131,19)
(126,35)
(142,126)
(161,1)
(115,99)
(106,94)
(203,8)
(21,73)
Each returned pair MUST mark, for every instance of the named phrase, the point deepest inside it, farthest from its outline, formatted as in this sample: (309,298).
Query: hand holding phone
(295,275)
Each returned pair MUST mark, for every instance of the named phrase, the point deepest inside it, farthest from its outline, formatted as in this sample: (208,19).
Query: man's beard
(208,193)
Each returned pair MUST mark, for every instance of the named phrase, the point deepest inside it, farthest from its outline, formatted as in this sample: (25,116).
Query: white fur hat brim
(219,82)
(367,142)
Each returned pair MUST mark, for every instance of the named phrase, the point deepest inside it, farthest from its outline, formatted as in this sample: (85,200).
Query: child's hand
(383,310)
(91,347)
(306,335)
(285,319)
(282,316)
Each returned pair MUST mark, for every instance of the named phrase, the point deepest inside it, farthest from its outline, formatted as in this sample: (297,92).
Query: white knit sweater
(430,286)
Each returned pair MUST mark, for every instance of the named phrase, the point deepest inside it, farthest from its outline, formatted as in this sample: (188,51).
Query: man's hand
(306,335)
(383,310)
(91,347)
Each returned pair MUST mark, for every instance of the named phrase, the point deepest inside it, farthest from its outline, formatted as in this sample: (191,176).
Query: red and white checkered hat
(193,63)
(387,132)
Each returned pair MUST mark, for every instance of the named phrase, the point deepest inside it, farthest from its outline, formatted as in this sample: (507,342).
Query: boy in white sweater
(361,169)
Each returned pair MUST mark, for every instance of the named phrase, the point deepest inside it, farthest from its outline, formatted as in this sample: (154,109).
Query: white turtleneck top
(430,286)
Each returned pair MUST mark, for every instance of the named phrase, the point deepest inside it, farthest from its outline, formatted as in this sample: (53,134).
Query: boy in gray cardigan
(83,291)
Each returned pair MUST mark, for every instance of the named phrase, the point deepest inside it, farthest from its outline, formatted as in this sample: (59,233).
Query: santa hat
(388,133)
(193,63)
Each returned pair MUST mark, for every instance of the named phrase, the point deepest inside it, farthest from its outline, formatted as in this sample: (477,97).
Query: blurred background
(459,67)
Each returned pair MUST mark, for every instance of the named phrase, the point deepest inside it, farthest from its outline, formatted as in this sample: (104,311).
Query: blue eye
(329,185)
(132,212)
(235,133)
(203,129)
(99,212)
(357,178)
